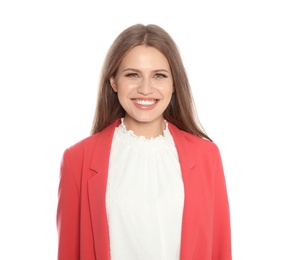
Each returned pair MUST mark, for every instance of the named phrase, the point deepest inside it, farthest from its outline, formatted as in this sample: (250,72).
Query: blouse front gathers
(144,197)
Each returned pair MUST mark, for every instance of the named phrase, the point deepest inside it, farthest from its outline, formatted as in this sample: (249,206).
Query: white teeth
(145,102)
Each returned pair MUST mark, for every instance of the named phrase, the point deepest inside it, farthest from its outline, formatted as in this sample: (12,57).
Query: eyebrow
(136,70)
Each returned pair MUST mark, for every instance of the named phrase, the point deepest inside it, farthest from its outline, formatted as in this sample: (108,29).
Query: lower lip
(142,107)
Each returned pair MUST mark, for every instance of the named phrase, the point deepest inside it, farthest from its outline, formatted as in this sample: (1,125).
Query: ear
(112,83)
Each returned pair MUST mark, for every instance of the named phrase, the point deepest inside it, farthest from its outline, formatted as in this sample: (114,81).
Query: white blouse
(144,197)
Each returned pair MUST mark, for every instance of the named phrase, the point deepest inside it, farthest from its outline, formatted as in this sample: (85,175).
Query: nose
(145,87)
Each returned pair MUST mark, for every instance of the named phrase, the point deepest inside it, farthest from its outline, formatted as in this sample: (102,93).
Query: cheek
(167,90)
(125,87)
(123,92)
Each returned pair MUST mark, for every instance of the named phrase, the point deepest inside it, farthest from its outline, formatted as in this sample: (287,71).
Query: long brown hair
(181,111)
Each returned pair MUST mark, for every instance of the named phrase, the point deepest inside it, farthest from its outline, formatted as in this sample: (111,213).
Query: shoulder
(75,155)
(101,138)
(193,141)
(194,148)
(84,143)
(203,148)
(201,143)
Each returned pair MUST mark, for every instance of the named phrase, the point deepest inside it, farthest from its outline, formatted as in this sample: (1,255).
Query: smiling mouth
(145,102)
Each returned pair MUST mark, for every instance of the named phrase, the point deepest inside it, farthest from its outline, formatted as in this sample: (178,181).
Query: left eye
(159,75)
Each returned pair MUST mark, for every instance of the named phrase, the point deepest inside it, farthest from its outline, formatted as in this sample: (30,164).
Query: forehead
(144,55)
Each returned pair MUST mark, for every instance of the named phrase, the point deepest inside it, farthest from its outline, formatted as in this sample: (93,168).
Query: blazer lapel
(97,191)
(191,212)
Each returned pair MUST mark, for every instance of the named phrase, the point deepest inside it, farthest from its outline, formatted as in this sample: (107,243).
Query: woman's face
(144,85)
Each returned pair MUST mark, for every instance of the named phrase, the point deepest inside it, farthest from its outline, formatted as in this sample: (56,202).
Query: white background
(236,55)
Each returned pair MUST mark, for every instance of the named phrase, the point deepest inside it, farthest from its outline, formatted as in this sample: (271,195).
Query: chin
(146,119)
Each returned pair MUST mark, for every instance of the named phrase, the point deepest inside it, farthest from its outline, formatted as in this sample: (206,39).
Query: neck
(147,129)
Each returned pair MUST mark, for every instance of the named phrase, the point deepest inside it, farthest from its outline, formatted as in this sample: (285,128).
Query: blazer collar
(183,142)
(104,140)
(100,156)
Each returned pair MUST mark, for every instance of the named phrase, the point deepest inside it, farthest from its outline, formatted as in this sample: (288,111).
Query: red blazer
(81,213)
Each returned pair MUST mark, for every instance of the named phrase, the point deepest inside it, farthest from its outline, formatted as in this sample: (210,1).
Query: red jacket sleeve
(68,212)
(221,222)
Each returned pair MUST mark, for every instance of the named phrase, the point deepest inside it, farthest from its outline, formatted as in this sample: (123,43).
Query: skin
(144,85)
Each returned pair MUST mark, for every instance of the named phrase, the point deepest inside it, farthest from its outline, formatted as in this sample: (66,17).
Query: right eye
(132,75)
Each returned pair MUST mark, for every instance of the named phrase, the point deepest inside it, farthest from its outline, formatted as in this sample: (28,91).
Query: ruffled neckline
(141,137)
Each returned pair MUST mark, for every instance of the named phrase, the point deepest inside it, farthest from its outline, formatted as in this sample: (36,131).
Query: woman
(148,183)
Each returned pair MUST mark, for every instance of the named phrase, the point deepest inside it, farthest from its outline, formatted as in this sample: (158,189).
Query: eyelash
(161,75)
(131,75)
(158,75)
